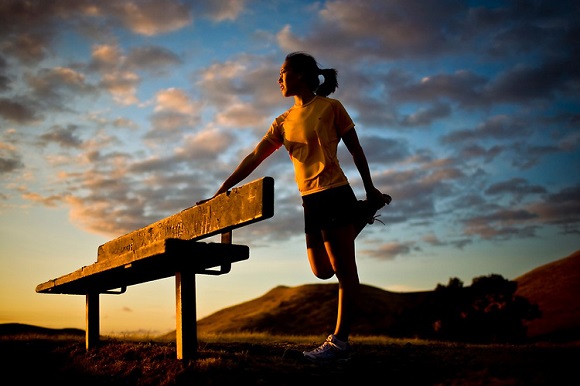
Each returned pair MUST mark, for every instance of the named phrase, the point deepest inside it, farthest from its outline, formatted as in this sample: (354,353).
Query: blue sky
(115,114)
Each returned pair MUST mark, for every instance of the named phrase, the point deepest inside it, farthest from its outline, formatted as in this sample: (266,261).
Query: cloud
(478,151)
(56,85)
(240,115)
(560,208)
(28,48)
(432,239)
(516,187)
(122,85)
(105,57)
(205,144)
(174,100)
(502,224)
(50,201)
(5,81)
(150,17)
(389,251)
(380,150)
(242,79)
(10,158)
(64,136)
(463,87)
(241,93)
(152,58)
(496,127)
(378,29)
(18,111)
(174,113)
(426,116)
(220,10)
(124,122)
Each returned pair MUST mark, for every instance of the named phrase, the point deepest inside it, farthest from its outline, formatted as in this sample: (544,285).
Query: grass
(260,359)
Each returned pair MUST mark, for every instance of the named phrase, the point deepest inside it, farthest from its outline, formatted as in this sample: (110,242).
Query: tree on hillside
(487,311)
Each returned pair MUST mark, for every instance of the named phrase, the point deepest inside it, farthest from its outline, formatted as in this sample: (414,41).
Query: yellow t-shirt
(311,133)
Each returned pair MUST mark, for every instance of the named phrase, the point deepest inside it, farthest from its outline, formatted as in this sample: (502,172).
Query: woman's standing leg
(340,247)
(333,252)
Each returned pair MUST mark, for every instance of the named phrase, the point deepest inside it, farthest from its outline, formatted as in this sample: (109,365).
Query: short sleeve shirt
(311,133)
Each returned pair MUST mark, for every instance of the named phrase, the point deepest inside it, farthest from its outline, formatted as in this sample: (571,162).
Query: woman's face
(288,80)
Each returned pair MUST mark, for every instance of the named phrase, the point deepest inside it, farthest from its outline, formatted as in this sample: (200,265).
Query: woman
(310,131)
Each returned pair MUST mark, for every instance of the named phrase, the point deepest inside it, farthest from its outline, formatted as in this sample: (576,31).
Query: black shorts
(328,209)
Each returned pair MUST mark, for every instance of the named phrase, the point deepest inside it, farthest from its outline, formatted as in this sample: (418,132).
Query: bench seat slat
(159,260)
(241,206)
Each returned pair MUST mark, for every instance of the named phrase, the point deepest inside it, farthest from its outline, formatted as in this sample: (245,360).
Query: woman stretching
(311,131)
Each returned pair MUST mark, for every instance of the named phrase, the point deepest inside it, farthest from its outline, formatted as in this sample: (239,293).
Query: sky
(116,114)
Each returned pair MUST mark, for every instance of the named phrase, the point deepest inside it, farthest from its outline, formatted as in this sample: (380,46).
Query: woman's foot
(366,213)
(331,349)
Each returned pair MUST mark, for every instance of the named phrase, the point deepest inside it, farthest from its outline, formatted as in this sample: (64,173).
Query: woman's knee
(321,269)
(320,263)
(323,275)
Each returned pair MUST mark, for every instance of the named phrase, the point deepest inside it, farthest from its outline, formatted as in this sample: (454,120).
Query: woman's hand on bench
(202,201)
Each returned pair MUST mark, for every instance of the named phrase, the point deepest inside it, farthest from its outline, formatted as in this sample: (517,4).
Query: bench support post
(186,318)
(92,335)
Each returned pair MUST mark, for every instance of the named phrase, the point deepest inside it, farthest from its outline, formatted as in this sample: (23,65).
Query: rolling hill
(20,329)
(311,309)
(555,288)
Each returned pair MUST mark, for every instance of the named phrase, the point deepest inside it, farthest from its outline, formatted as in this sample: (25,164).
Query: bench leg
(92,321)
(186,329)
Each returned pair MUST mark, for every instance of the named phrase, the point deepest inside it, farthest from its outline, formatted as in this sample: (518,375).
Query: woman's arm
(262,151)
(350,139)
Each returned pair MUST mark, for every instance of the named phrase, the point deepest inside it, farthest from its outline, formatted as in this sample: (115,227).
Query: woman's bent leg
(318,257)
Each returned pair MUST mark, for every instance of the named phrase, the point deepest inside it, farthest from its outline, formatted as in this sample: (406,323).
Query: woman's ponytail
(330,83)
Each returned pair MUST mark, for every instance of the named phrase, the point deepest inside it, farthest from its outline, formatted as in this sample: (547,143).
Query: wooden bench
(170,247)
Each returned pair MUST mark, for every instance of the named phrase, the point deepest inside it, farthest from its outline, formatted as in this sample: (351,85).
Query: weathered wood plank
(241,206)
(159,260)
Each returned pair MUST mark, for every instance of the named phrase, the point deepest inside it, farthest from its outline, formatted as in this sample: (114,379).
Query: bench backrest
(241,206)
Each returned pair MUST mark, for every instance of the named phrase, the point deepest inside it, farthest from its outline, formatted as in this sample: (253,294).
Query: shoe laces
(374,218)
(327,345)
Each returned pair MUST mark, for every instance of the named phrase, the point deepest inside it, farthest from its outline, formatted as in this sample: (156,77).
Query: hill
(26,329)
(555,288)
(311,309)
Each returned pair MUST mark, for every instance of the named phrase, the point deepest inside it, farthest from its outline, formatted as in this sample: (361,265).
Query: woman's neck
(303,98)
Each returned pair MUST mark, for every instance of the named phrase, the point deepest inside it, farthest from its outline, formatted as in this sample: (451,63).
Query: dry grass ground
(267,360)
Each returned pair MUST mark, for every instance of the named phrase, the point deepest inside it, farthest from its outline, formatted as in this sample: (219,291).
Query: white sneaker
(331,349)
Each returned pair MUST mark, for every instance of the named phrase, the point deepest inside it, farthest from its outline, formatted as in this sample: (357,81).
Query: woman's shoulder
(332,102)
(324,100)
(282,117)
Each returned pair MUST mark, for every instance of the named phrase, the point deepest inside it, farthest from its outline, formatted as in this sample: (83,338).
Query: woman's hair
(305,64)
